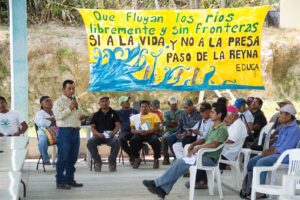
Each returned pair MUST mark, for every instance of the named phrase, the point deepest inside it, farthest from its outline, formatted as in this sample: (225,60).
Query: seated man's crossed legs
(136,143)
(114,143)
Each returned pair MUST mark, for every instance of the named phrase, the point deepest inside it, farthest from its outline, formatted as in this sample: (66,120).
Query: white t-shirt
(10,122)
(237,133)
(205,126)
(41,121)
(248,116)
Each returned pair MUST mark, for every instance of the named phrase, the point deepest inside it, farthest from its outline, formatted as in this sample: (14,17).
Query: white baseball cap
(172,100)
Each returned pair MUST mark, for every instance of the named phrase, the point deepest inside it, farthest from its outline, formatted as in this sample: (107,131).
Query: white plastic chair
(281,166)
(289,185)
(234,165)
(211,171)
(293,168)
(266,130)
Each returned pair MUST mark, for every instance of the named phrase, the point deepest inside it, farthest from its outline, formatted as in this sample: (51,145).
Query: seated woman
(43,119)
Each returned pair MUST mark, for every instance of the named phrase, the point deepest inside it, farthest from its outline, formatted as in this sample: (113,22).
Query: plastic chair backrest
(294,161)
(264,132)
(36,131)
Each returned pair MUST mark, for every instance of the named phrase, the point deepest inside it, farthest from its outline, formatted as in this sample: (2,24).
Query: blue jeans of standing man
(43,147)
(68,142)
(261,161)
(177,169)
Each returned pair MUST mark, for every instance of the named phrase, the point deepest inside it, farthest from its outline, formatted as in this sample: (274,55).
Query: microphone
(74,99)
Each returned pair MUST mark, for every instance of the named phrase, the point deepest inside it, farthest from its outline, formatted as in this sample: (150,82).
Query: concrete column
(18,56)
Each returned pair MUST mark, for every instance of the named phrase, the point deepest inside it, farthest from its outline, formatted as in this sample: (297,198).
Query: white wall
(290,14)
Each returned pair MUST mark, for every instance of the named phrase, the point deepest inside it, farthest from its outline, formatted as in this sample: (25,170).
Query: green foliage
(64,11)
(63,67)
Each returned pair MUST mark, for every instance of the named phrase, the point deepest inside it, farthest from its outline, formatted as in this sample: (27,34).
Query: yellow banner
(174,49)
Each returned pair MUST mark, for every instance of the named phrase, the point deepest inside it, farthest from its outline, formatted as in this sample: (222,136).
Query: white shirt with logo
(10,122)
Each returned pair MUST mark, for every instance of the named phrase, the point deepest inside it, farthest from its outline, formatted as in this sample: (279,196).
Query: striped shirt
(65,117)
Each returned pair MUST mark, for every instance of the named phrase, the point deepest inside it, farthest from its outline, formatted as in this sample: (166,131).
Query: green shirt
(169,116)
(219,134)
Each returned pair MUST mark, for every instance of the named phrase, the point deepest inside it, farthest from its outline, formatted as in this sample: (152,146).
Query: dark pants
(172,139)
(124,138)
(136,143)
(114,143)
(68,142)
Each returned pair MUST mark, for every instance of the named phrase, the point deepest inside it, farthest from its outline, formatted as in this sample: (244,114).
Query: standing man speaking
(67,114)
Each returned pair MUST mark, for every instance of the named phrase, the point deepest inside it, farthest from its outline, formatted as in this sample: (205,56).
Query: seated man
(44,118)
(11,123)
(155,108)
(245,114)
(145,127)
(105,125)
(237,133)
(259,117)
(188,119)
(171,118)
(201,132)
(216,136)
(288,138)
(125,135)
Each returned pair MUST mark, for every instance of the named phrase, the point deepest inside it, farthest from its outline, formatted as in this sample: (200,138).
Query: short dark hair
(222,100)
(67,82)
(260,101)
(144,101)
(205,106)
(188,102)
(220,108)
(3,99)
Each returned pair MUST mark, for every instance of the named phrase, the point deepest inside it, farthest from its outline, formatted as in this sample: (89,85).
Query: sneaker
(131,161)
(166,161)
(98,166)
(187,174)
(158,191)
(136,163)
(75,184)
(112,167)
(63,186)
(149,183)
(156,164)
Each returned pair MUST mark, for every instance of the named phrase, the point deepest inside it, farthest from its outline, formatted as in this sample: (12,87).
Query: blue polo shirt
(288,138)
(124,118)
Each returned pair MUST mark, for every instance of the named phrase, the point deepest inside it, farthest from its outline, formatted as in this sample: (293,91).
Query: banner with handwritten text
(185,50)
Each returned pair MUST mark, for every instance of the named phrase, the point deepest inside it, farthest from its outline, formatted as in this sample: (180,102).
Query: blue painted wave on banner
(117,73)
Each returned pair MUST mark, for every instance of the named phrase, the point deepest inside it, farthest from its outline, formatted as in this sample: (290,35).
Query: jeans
(124,137)
(136,143)
(177,169)
(68,142)
(43,147)
(164,143)
(114,143)
(261,161)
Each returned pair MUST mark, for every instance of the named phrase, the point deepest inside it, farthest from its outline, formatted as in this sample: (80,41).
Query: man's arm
(153,130)
(60,112)
(195,149)
(116,129)
(95,132)
(23,129)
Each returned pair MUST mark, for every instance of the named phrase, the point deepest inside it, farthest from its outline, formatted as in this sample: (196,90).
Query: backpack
(246,186)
